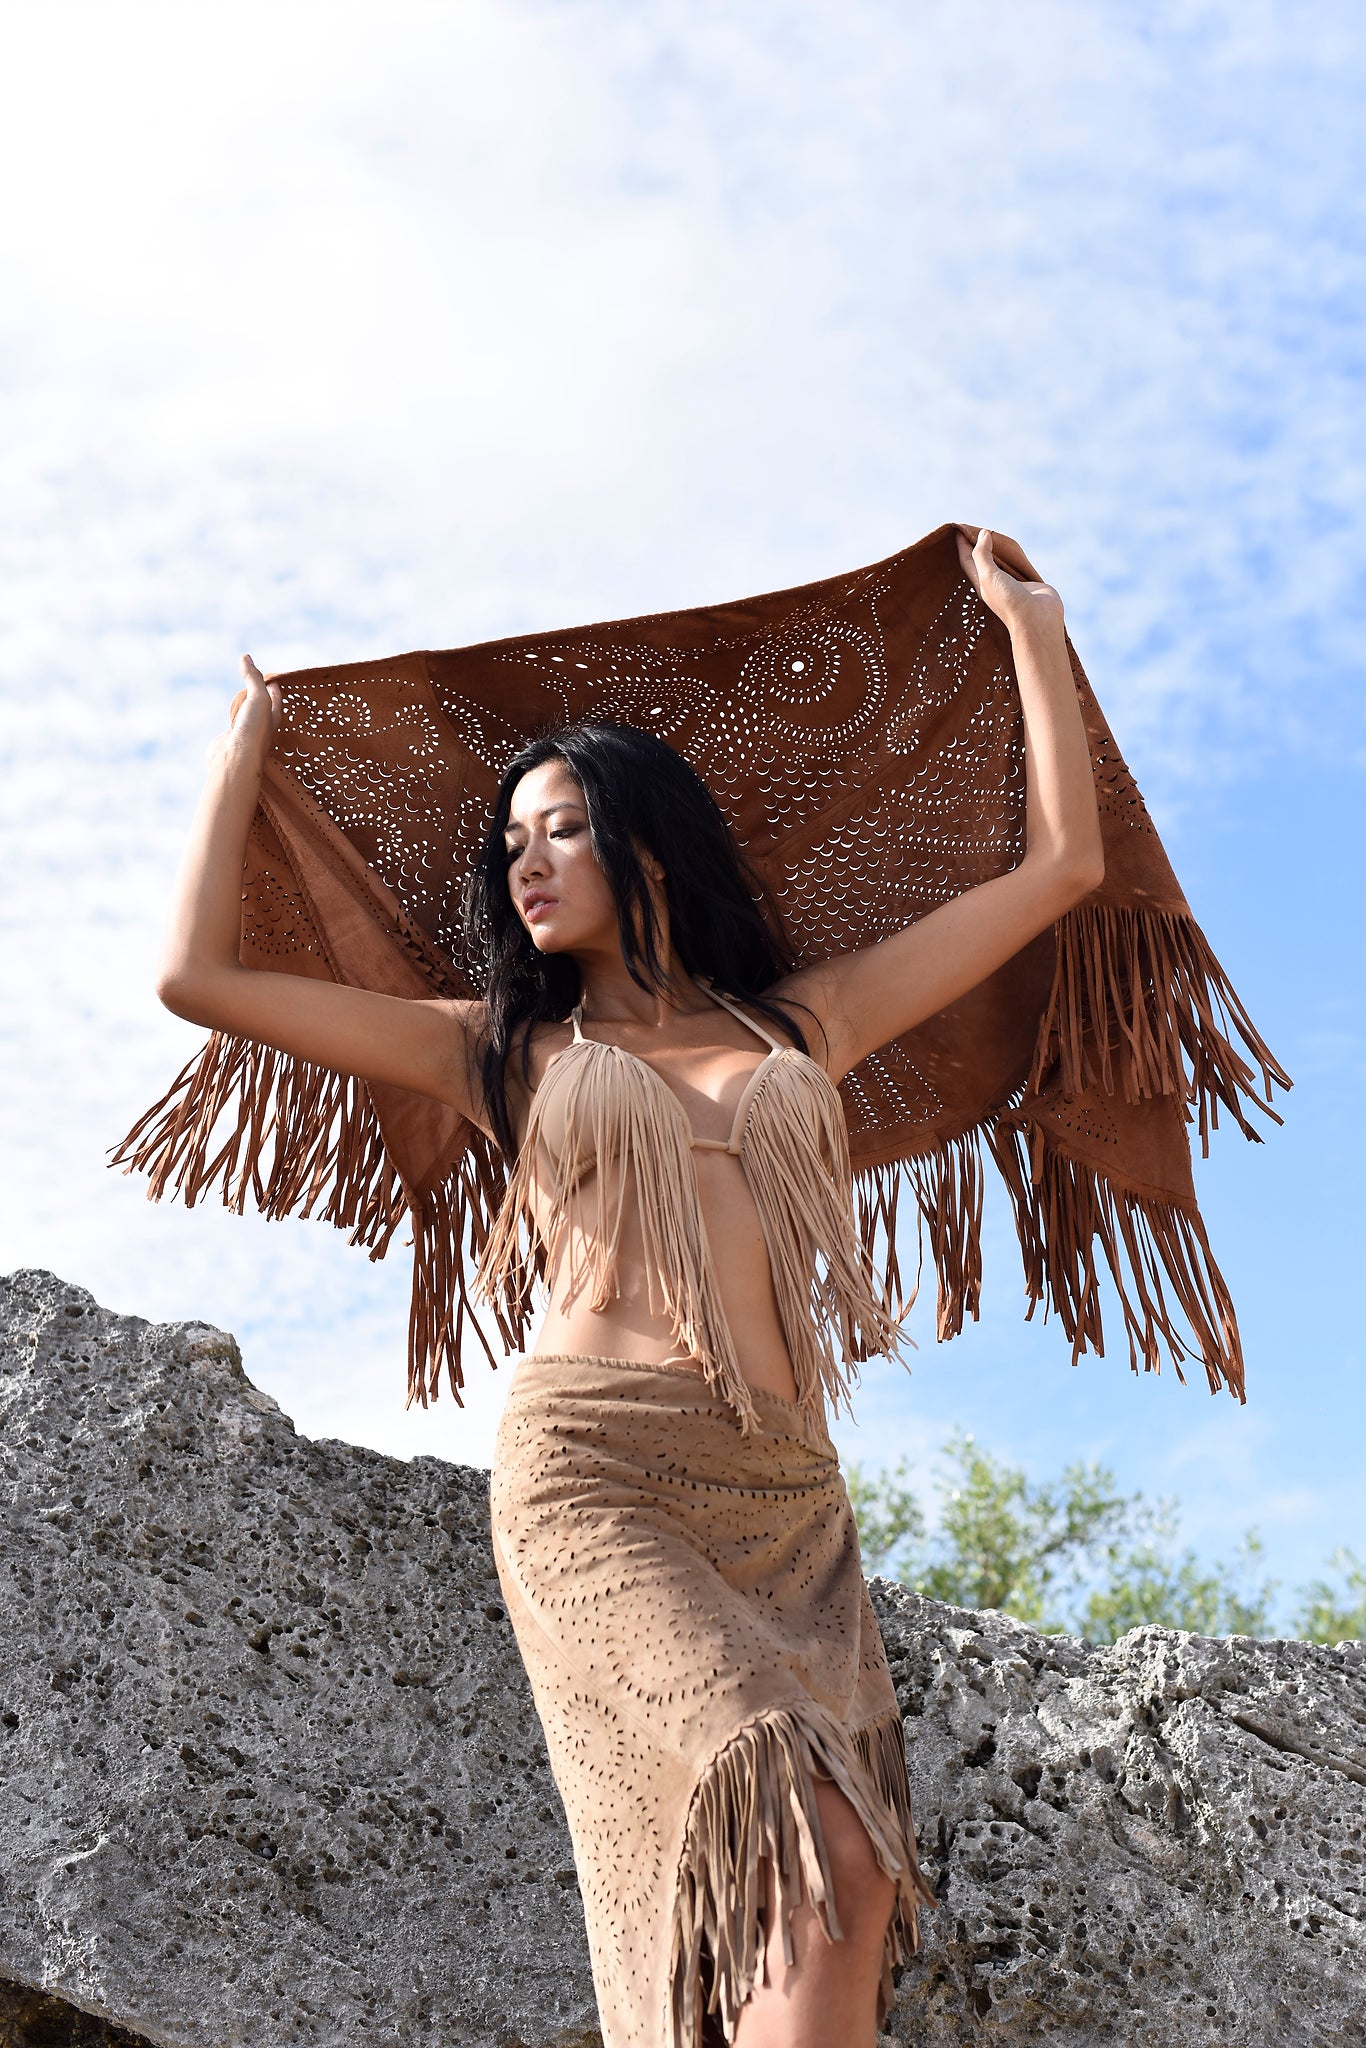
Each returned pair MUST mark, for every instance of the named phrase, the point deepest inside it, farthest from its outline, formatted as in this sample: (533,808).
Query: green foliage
(1074,1554)
(1322,1617)
(1146,1582)
(1004,1543)
(1001,1541)
(891,1525)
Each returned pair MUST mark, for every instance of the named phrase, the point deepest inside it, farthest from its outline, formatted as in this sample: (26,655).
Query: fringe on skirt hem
(755,1808)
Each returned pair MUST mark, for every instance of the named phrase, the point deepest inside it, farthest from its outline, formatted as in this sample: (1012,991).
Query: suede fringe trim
(877,1198)
(318,1127)
(306,1141)
(881,1750)
(1064,1209)
(450,1229)
(618,1113)
(297,1139)
(1137,994)
(755,1808)
(823,1277)
(947,1184)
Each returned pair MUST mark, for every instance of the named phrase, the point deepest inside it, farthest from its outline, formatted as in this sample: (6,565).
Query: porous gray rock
(270,1773)
(269,1769)
(1161,1844)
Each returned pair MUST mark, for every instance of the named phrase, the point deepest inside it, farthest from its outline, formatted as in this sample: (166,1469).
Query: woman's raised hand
(253,720)
(871,996)
(1006,580)
(424,1044)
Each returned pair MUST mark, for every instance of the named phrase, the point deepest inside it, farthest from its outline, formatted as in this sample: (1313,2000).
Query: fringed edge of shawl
(1137,994)
(450,1222)
(947,1183)
(1064,1209)
(306,1142)
(755,1807)
(318,1128)
(298,1139)
(1152,1247)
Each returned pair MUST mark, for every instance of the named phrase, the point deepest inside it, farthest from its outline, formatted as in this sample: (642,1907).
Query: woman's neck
(611,997)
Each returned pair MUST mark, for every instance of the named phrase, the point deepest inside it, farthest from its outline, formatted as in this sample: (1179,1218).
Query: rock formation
(270,1774)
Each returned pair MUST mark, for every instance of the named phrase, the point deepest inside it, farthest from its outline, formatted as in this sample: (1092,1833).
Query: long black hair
(641,798)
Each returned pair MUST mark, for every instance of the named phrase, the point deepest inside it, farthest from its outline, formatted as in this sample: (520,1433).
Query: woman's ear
(649,862)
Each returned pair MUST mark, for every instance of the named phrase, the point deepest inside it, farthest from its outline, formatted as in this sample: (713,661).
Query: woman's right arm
(415,1044)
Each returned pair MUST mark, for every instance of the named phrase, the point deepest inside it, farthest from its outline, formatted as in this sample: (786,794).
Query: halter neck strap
(724,1002)
(774,1044)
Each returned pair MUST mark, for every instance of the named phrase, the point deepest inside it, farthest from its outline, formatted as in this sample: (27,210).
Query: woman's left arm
(866,999)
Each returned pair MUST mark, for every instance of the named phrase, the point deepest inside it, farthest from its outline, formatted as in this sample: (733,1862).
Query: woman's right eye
(510,853)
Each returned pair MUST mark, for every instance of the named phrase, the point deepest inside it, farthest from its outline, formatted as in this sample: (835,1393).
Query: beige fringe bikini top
(601,1109)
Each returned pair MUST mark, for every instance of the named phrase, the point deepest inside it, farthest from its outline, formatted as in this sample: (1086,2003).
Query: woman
(670,1527)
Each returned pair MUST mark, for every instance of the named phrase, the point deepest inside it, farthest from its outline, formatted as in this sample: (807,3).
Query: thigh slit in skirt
(692,1614)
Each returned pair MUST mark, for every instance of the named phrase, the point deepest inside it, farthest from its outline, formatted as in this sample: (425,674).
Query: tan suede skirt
(690,1607)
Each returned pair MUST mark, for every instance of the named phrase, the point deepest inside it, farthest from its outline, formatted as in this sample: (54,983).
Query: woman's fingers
(1010,555)
(976,553)
(256,682)
(1000,552)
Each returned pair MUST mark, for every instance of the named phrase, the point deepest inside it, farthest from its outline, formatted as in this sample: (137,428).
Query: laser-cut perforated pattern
(275,921)
(821,797)
(673,1584)
(1088,1120)
(864,738)
(386,781)
(1117,794)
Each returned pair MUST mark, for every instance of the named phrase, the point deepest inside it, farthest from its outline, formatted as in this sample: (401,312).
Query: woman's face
(556,886)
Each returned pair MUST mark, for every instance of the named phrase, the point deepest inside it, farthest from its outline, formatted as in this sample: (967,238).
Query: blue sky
(334,330)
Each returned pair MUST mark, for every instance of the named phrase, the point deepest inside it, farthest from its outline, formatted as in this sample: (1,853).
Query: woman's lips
(535,911)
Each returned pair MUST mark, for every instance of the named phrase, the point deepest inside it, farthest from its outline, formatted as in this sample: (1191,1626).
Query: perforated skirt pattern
(690,1606)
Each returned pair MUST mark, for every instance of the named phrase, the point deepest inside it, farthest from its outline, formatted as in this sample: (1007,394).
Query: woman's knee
(863,1893)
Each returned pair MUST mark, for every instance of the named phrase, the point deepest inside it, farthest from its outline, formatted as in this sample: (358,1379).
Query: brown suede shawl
(864,738)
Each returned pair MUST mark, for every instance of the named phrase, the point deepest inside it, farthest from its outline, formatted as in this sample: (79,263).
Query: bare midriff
(627,1326)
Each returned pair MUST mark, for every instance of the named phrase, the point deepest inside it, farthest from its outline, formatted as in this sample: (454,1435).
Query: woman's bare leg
(829,1994)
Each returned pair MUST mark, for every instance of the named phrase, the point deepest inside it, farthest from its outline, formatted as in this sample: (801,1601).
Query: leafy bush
(1321,1617)
(1075,1554)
